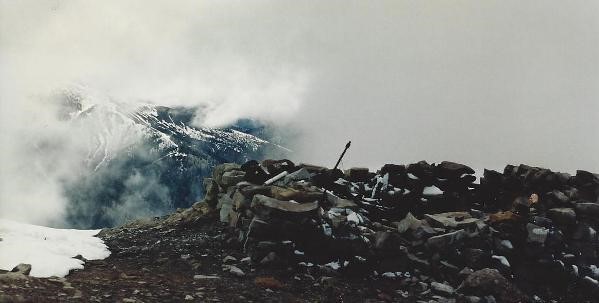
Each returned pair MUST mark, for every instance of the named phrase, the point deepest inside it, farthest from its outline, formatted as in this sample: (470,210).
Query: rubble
(514,235)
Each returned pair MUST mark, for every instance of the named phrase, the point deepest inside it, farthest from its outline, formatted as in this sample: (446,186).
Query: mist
(483,83)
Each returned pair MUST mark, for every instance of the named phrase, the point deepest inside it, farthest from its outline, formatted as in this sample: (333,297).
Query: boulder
(490,282)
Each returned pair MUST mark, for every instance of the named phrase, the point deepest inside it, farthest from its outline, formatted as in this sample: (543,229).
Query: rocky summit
(274,231)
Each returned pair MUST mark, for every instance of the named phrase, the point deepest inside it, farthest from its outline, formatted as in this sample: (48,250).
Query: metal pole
(342,154)
(324,193)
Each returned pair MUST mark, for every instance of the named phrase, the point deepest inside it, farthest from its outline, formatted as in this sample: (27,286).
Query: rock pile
(524,234)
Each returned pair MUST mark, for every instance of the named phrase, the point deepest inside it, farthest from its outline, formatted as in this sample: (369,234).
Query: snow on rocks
(49,251)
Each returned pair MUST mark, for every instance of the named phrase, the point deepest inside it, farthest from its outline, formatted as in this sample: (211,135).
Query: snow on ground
(50,251)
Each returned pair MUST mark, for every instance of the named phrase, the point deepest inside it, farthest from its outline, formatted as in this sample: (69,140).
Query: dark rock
(450,170)
(562,216)
(476,258)
(388,243)
(489,281)
(542,221)
(24,269)
(254,173)
(80,257)
(557,198)
(275,167)
(358,174)
(590,285)
(587,209)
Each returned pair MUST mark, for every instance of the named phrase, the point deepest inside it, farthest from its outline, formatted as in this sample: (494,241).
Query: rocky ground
(267,232)
(154,262)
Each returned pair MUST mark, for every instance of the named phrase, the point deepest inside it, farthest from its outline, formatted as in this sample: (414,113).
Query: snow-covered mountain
(146,160)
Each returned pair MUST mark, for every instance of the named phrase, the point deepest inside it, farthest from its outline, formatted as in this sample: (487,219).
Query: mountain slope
(146,160)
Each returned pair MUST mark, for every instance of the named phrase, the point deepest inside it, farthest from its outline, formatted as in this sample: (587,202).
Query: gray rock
(264,205)
(452,219)
(301,174)
(211,196)
(185,256)
(225,204)
(229,259)
(231,178)
(240,202)
(465,272)
(559,197)
(536,233)
(442,289)
(472,299)
(269,258)
(236,271)
(504,246)
(219,170)
(445,240)
(204,277)
(24,269)
(490,299)
(409,222)
(339,202)
(327,282)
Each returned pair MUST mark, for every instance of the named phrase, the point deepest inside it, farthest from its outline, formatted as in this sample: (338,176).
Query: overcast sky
(480,82)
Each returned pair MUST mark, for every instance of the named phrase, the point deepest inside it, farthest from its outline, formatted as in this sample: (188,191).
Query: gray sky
(480,82)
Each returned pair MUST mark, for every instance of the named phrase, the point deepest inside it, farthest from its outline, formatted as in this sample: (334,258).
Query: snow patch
(432,191)
(50,251)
